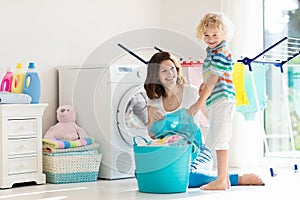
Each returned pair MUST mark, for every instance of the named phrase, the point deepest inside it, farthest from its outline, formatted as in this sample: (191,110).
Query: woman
(167,92)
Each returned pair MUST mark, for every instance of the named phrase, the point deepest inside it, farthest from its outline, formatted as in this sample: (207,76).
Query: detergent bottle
(7,81)
(18,79)
(32,84)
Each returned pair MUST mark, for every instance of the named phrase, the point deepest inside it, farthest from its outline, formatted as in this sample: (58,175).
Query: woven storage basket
(72,168)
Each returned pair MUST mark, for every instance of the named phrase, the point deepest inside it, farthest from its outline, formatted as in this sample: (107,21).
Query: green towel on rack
(259,74)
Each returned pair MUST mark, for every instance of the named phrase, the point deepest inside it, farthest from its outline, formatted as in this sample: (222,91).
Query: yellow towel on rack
(238,78)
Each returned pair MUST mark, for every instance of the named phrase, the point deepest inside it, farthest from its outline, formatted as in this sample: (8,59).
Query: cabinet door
(22,146)
(22,165)
(21,127)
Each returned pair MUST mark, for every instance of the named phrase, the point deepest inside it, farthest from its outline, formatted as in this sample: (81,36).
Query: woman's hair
(152,85)
(219,20)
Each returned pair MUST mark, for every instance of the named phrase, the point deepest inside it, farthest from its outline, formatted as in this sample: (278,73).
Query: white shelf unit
(21,144)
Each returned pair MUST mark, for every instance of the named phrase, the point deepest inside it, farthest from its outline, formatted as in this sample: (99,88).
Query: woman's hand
(155,114)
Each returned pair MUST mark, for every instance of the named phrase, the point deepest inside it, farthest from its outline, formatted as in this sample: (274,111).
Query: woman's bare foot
(250,179)
(218,184)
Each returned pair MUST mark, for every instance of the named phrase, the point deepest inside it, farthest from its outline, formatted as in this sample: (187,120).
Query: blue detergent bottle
(32,84)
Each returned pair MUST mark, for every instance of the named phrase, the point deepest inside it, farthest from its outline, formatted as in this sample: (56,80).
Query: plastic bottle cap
(9,69)
(31,65)
(19,66)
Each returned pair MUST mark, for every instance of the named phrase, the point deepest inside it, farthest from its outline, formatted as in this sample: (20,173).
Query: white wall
(184,16)
(246,147)
(64,32)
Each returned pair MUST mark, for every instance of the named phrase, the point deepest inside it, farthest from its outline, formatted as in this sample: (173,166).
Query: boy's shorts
(220,118)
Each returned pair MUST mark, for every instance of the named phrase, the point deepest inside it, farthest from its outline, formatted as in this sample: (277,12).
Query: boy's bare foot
(250,179)
(218,184)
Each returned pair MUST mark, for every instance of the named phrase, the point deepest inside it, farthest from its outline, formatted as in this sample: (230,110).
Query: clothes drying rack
(277,55)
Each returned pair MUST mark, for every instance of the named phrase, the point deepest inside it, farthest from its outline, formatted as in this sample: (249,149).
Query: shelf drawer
(22,165)
(22,146)
(21,127)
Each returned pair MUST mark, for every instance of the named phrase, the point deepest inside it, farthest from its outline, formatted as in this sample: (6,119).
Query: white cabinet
(21,144)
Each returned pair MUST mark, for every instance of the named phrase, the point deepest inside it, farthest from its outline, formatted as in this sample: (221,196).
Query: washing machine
(110,102)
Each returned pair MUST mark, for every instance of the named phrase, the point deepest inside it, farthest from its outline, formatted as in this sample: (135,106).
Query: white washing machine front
(129,101)
(122,80)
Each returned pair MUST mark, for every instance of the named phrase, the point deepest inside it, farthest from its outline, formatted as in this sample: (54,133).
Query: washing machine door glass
(132,117)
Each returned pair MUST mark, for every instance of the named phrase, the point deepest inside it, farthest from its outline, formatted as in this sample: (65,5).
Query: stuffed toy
(66,127)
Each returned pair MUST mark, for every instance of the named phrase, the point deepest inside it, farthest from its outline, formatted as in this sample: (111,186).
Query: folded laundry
(12,98)
(75,153)
(169,140)
(63,144)
(51,151)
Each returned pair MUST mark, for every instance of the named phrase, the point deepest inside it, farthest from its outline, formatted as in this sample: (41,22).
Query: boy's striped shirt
(220,63)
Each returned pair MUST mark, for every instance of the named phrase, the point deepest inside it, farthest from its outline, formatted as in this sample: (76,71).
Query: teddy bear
(66,127)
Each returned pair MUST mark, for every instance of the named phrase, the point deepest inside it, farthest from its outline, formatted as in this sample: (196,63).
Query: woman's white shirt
(190,96)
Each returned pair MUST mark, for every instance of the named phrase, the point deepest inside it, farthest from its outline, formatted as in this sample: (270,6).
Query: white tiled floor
(284,185)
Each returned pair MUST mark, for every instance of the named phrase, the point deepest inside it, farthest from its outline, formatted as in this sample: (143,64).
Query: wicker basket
(72,168)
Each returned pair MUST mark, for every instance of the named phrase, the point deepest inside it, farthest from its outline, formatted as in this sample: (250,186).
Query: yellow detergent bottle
(18,79)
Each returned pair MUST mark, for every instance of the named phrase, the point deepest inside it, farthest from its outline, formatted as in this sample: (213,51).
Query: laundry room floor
(284,185)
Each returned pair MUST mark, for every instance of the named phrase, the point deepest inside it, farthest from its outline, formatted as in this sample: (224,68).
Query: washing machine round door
(132,117)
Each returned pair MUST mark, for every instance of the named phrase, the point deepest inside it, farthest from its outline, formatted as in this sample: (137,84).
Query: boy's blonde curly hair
(219,20)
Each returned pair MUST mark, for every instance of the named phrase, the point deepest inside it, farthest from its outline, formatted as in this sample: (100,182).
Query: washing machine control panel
(128,73)
(125,69)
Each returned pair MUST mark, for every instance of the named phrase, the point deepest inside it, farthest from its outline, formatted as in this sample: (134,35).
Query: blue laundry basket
(162,169)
